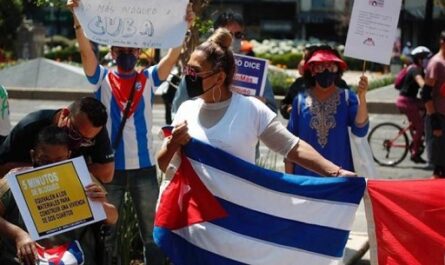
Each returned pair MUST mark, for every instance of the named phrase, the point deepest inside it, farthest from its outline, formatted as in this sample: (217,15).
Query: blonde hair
(219,54)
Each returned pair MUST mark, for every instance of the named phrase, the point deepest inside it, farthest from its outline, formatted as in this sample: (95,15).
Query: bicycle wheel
(389,144)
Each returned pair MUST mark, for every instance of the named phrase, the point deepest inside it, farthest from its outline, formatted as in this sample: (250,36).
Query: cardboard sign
(52,200)
(250,76)
(372,30)
(134,23)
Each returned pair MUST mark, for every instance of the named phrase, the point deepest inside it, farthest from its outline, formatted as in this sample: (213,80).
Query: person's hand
(346,173)
(180,135)
(71,4)
(362,86)
(26,248)
(289,108)
(95,192)
(189,15)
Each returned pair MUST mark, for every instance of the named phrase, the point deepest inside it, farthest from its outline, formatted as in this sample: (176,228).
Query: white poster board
(134,23)
(52,199)
(372,30)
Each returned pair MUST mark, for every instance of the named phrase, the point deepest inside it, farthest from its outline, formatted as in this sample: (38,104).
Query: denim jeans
(143,188)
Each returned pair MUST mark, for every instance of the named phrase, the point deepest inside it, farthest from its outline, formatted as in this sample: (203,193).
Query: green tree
(11,15)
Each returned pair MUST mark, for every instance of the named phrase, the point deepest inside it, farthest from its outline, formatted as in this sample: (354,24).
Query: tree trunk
(192,39)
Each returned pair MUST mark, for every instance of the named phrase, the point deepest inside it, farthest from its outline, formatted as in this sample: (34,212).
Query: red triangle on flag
(121,89)
(187,201)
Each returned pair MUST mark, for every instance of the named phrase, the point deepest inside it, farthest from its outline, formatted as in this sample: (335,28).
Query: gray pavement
(382,99)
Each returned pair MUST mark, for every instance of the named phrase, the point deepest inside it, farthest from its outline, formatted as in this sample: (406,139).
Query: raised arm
(168,61)
(362,111)
(89,60)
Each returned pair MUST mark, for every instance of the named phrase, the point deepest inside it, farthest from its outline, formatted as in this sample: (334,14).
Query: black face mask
(126,61)
(194,85)
(325,79)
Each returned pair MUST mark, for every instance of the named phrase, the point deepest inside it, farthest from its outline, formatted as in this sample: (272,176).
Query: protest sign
(52,200)
(372,30)
(250,75)
(134,23)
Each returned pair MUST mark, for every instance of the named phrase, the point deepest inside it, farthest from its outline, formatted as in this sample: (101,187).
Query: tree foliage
(11,15)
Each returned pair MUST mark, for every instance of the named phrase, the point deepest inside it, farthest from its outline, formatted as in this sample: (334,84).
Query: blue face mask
(325,79)
(126,61)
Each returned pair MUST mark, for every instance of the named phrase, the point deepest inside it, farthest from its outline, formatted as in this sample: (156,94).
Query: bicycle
(389,143)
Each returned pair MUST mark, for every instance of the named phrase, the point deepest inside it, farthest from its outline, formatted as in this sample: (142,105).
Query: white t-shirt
(238,130)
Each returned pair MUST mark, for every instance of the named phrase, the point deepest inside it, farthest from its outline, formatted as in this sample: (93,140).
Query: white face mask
(236,45)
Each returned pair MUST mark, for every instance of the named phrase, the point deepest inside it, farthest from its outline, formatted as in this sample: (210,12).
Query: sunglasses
(321,67)
(190,71)
(77,139)
(238,35)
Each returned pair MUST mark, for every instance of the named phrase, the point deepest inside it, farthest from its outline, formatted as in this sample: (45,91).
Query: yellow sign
(55,198)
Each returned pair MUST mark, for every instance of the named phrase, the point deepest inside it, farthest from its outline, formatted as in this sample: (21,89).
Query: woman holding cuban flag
(229,121)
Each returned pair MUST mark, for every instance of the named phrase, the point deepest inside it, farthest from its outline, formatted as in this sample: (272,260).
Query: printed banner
(250,76)
(52,199)
(372,30)
(134,23)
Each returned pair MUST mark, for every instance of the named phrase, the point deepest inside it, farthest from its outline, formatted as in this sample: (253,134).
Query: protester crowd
(113,131)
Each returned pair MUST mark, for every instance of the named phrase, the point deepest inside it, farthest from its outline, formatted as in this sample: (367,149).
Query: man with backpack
(409,81)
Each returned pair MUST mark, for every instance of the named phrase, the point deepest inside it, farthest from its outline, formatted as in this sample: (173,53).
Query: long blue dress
(324,125)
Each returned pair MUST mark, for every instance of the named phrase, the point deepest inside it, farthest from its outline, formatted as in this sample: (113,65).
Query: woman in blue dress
(323,113)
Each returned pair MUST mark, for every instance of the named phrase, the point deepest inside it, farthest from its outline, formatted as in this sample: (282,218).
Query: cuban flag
(219,209)
(406,221)
(66,254)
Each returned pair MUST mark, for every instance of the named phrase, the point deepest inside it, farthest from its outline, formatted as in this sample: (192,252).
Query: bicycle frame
(390,142)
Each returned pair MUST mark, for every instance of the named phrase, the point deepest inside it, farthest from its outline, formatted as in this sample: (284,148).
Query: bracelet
(76,27)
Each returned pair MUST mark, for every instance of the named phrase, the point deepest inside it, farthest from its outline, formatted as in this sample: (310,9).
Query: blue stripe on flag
(182,252)
(156,81)
(115,113)
(310,237)
(348,190)
(141,135)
